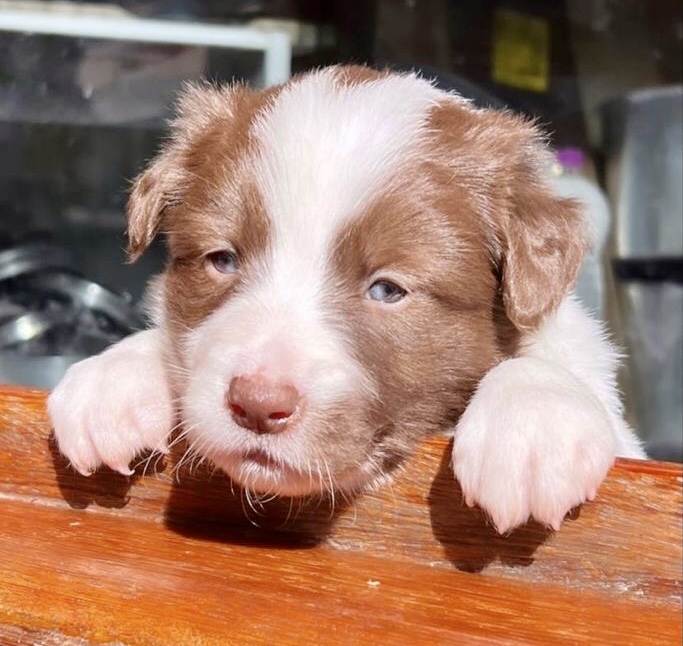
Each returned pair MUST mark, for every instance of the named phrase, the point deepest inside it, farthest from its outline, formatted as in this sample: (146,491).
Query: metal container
(644,145)
(51,317)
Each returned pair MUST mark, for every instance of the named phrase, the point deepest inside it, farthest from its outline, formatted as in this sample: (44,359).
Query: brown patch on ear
(201,110)
(536,239)
(544,243)
(146,205)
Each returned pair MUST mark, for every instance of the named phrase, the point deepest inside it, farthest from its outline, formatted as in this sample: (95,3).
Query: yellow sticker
(521,51)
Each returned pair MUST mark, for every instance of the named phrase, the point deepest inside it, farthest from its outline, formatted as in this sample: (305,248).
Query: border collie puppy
(357,261)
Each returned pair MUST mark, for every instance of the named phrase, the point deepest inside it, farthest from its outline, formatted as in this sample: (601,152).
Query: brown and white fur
(357,261)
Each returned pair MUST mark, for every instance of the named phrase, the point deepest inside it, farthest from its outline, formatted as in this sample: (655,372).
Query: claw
(82,470)
(124,470)
(556,524)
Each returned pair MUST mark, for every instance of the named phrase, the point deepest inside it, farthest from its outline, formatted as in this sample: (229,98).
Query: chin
(257,472)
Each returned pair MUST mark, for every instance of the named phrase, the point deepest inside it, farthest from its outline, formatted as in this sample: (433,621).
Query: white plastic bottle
(569,181)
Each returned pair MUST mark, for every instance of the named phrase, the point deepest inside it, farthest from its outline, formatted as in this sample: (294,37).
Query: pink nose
(261,405)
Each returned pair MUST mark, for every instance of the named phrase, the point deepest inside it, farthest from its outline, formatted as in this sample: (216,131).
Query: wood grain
(177,557)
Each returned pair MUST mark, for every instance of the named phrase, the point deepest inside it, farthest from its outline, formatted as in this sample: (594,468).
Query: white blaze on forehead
(326,148)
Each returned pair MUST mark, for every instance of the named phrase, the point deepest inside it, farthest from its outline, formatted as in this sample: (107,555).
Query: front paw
(533,442)
(109,408)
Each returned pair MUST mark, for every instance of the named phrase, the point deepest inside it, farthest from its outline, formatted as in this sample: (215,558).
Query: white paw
(533,442)
(109,408)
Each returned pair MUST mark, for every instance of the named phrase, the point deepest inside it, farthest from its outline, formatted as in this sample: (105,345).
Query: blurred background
(85,89)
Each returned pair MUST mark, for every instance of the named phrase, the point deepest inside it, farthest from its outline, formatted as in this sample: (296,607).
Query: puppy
(357,261)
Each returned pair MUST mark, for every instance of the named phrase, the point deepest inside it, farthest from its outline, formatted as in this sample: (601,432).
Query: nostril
(260,404)
(237,409)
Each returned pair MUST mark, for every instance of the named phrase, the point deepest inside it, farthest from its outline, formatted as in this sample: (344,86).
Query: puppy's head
(349,254)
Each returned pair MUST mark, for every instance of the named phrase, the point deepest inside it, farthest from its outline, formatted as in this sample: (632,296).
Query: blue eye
(384,291)
(223,261)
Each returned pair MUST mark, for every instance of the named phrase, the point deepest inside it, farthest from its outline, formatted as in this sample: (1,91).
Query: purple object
(571,158)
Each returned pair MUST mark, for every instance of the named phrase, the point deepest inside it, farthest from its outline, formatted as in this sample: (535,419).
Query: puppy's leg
(110,407)
(543,428)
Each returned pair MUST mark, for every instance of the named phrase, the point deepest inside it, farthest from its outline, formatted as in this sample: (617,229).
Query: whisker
(331,488)
(249,497)
(289,510)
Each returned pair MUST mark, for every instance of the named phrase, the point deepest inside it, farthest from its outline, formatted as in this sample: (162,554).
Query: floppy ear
(536,239)
(163,182)
(543,241)
(540,238)
(148,199)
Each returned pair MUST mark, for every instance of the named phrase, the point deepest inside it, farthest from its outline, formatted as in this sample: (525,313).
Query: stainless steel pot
(26,259)
(50,317)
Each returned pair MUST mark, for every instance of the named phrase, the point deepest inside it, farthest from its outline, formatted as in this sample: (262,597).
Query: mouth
(259,471)
(262,459)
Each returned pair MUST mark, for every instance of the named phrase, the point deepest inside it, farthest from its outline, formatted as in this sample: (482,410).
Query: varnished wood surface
(177,558)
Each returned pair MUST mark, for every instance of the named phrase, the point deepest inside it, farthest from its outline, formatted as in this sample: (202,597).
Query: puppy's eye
(223,261)
(384,291)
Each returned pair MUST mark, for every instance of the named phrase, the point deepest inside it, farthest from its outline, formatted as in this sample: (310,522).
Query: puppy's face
(349,254)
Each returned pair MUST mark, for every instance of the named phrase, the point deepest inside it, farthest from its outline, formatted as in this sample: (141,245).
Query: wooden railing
(172,558)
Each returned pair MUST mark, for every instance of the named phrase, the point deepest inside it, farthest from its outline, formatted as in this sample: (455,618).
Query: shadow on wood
(469,540)
(205,504)
(105,488)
